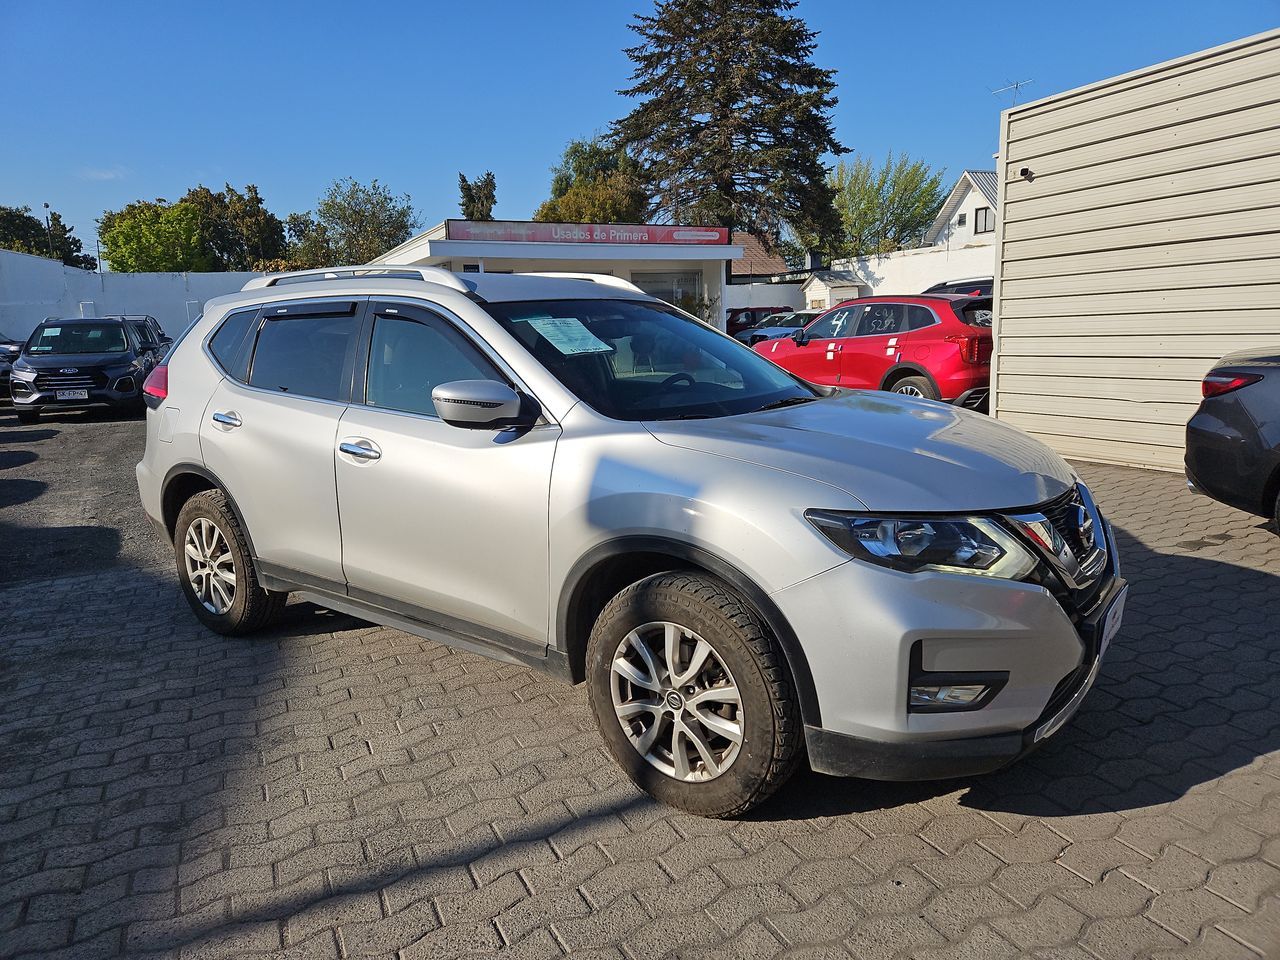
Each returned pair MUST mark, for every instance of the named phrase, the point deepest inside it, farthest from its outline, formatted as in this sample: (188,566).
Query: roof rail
(437,275)
(605,279)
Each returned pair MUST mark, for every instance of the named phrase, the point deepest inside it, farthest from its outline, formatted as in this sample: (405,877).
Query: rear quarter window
(227,343)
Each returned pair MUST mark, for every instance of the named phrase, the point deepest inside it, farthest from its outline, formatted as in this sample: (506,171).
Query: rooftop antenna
(1014,86)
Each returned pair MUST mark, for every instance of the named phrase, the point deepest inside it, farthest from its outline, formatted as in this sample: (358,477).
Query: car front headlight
(972,545)
(23,371)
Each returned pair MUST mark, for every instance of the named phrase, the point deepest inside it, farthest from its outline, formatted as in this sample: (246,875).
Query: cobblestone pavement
(336,789)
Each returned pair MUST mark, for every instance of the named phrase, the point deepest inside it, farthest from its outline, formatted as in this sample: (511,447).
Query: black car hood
(80,360)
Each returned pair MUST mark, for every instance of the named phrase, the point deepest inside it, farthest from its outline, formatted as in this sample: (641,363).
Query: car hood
(58,361)
(892,453)
(771,331)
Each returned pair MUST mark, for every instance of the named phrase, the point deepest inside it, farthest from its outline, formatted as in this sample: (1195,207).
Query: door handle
(230,419)
(359,451)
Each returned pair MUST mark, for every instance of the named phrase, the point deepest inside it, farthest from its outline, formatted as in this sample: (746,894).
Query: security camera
(1026,174)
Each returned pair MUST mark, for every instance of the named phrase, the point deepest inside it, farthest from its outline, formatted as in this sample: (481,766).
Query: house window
(984,220)
(962,220)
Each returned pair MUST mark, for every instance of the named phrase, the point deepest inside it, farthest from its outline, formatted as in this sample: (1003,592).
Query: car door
(444,523)
(270,429)
(818,358)
(881,335)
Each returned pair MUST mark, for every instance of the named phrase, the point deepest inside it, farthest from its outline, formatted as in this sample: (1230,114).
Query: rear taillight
(969,347)
(1216,384)
(156,387)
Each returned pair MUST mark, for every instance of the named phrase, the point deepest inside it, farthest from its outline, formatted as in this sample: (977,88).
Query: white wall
(909,272)
(762,295)
(32,288)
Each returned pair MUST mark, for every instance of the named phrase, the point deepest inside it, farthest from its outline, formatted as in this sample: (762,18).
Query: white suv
(564,472)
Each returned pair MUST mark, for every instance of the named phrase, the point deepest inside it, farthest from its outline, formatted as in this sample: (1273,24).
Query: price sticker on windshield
(568,335)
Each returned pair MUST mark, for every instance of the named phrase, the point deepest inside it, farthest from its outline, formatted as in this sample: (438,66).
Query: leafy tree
(353,223)
(23,231)
(154,236)
(886,208)
(236,229)
(595,182)
(733,116)
(478,196)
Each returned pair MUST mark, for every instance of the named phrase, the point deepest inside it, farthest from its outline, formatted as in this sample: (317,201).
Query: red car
(936,346)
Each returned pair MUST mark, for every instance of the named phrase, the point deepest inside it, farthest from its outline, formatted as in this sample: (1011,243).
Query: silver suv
(744,568)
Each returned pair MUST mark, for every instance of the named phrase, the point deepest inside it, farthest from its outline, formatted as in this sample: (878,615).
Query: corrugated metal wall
(1145,245)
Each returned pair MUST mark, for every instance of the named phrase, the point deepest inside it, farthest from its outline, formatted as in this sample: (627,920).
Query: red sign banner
(519,231)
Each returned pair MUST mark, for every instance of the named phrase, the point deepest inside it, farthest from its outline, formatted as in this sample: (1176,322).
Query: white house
(968,217)
(959,245)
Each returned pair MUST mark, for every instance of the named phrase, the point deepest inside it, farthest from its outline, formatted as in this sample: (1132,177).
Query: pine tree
(478,196)
(733,118)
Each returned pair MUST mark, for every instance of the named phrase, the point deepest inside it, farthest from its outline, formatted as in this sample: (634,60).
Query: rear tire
(28,417)
(731,735)
(216,571)
(915,387)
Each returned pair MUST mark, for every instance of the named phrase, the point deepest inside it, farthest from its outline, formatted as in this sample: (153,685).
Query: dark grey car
(1233,441)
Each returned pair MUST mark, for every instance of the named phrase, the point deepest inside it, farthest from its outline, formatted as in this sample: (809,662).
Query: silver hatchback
(746,570)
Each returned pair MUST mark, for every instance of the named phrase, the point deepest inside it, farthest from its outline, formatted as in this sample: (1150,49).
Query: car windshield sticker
(52,331)
(568,335)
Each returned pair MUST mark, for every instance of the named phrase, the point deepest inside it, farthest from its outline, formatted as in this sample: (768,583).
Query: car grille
(81,380)
(1061,512)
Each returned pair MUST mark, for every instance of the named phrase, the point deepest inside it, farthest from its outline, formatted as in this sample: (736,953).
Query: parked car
(82,363)
(9,350)
(744,568)
(776,325)
(1233,441)
(972,287)
(937,347)
(739,318)
(148,328)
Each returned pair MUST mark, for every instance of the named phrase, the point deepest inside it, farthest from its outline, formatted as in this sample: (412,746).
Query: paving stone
(332,788)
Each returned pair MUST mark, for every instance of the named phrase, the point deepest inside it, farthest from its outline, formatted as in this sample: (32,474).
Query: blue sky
(111,102)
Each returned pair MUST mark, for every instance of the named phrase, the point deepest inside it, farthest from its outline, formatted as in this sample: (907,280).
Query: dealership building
(679,264)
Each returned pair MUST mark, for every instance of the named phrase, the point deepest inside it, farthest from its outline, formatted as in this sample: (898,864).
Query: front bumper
(867,631)
(843,755)
(26,396)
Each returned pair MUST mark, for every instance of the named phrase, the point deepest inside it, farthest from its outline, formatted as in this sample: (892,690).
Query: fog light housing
(960,695)
(20,387)
(126,385)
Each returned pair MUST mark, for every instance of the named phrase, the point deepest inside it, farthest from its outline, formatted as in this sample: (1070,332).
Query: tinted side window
(226,342)
(304,356)
(882,319)
(409,358)
(918,317)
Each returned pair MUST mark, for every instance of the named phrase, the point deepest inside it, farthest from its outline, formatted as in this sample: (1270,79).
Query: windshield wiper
(786,402)
(687,416)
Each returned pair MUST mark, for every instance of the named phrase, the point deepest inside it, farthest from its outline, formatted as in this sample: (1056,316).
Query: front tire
(692,695)
(216,571)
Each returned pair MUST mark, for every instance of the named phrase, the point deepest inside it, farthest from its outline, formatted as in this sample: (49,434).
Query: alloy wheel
(909,390)
(211,567)
(676,701)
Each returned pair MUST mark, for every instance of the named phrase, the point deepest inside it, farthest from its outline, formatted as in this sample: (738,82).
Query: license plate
(72,394)
(1111,623)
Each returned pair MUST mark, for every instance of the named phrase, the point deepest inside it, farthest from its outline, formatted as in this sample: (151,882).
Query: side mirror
(480,405)
(800,337)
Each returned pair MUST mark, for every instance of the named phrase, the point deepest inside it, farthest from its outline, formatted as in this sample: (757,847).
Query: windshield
(977,313)
(78,338)
(773,320)
(646,361)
